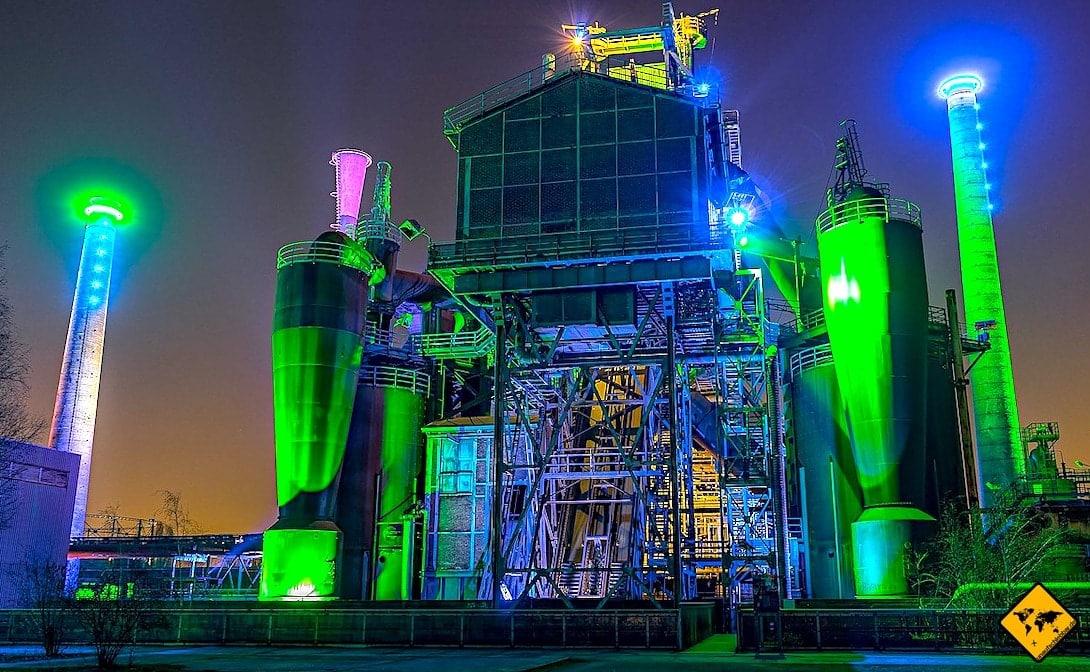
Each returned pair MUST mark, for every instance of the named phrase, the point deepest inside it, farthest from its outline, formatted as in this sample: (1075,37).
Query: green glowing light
(103,206)
(842,288)
(314,387)
(403,413)
(299,564)
(100,202)
(876,313)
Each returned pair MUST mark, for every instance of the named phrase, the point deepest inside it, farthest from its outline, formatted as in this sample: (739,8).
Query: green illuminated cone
(875,298)
(321,298)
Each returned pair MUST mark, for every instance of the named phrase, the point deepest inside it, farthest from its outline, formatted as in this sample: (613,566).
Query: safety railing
(889,209)
(385,338)
(809,358)
(512,250)
(897,630)
(383,229)
(614,67)
(463,345)
(327,252)
(423,626)
(389,376)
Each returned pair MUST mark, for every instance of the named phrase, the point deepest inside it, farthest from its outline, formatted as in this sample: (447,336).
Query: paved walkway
(715,654)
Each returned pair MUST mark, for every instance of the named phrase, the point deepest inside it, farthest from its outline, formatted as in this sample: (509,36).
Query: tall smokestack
(73,428)
(995,410)
(351,172)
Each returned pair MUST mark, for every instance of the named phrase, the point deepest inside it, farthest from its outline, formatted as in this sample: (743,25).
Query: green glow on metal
(105,208)
(842,289)
(299,564)
(995,408)
(101,203)
(875,298)
(402,417)
(314,386)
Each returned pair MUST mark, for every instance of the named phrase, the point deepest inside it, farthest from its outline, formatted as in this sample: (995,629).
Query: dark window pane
(558,131)
(521,168)
(675,192)
(636,195)
(527,109)
(558,165)
(558,227)
(596,96)
(636,222)
(520,204)
(520,230)
(559,100)
(636,124)
(482,137)
(484,208)
(635,158)
(629,98)
(674,155)
(598,161)
(558,201)
(597,128)
(463,165)
(598,197)
(520,136)
(674,118)
(485,171)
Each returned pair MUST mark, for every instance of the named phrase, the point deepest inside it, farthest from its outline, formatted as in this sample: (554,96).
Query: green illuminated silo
(875,299)
(321,299)
(995,410)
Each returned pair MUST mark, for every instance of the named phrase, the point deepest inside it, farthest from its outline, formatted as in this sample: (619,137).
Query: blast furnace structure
(621,380)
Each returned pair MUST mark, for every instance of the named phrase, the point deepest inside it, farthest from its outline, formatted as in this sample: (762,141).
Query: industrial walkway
(713,654)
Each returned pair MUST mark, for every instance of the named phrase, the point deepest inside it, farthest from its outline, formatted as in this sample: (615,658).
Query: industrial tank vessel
(875,298)
(318,324)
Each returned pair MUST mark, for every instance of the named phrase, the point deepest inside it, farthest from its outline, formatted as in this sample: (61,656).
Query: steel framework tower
(995,410)
(73,428)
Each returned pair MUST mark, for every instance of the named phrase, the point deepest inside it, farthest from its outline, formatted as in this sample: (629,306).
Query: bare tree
(16,424)
(174,514)
(113,612)
(43,591)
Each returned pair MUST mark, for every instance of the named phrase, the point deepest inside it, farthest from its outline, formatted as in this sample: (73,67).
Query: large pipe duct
(382,238)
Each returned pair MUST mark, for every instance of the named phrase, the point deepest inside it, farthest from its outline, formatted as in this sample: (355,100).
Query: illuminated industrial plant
(622,381)
(587,396)
(73,428)
(1000,451)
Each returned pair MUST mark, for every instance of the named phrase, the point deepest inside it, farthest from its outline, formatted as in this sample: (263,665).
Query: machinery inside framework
(620,381)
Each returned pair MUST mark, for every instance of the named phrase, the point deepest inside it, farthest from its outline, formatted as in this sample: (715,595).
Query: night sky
(219,119)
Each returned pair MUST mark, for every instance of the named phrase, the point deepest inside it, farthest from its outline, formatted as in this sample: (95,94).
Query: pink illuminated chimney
(351,168)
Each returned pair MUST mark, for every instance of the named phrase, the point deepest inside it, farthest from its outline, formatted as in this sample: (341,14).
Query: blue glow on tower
(73,428)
